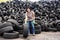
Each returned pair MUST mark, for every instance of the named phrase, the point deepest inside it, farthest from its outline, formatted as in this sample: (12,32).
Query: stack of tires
(37,29)
(7,30)
(52,26)
(57,22)
(22,29)
(37,25)
(11,29)
(5,27)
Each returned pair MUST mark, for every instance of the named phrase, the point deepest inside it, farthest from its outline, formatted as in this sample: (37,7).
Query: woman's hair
(29,7)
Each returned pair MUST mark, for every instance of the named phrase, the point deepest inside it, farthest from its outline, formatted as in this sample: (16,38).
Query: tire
(6,18)
(38,21)
(20,21)
(43,27)
(5,24)
(37,18)
(1,23)
(36,24)
(37,27)
(15,25)
(38,31)
(6,29)
(11,35)
(58,26)
(20,31)
(57,21)
(14,22)
(25,30)
(53,29)
(0,19)
(52,24)
(20,28)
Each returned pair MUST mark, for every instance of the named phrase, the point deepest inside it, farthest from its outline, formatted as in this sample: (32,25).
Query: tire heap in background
(12,16)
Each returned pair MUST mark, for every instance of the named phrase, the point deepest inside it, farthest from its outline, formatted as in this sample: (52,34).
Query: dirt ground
(42,36)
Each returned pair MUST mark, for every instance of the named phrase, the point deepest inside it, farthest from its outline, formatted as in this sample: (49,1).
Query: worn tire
(1,23)
(15,25)
(57,21)
(13,21)
(37,27)
(11,35)
(5,24)
(53,29)
(25,30)
(20,31)
(58,26)
(6,29)
(0,19)
(38,31)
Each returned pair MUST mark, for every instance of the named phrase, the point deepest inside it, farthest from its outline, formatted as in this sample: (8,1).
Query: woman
(29,18)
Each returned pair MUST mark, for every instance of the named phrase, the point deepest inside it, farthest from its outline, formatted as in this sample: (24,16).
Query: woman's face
(28,10)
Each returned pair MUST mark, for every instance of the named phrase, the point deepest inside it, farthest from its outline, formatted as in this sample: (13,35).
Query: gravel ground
(42,36)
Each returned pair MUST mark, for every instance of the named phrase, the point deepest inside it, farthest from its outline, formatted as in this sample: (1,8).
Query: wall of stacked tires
(12,14)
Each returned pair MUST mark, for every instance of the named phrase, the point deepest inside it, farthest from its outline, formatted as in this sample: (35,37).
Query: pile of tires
(12,17)
(21,29)
(52,27)
(6,26)
(11,29)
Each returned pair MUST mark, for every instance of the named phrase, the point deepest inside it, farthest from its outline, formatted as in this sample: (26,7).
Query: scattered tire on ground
(11,35)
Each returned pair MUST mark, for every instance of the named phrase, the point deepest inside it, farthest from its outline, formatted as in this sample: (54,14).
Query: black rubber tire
(37,18)
(14,22)
(38,31)
(5,24)
(37,27)
(58,26)
(52,24)
(1,23)
(38,21)
(15,25)
(43,27)
(25,30)
(6,29)
(0,19)
(20,27)
(20,31)
(53,29)
(57,21)
(36,24)
(11,35)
